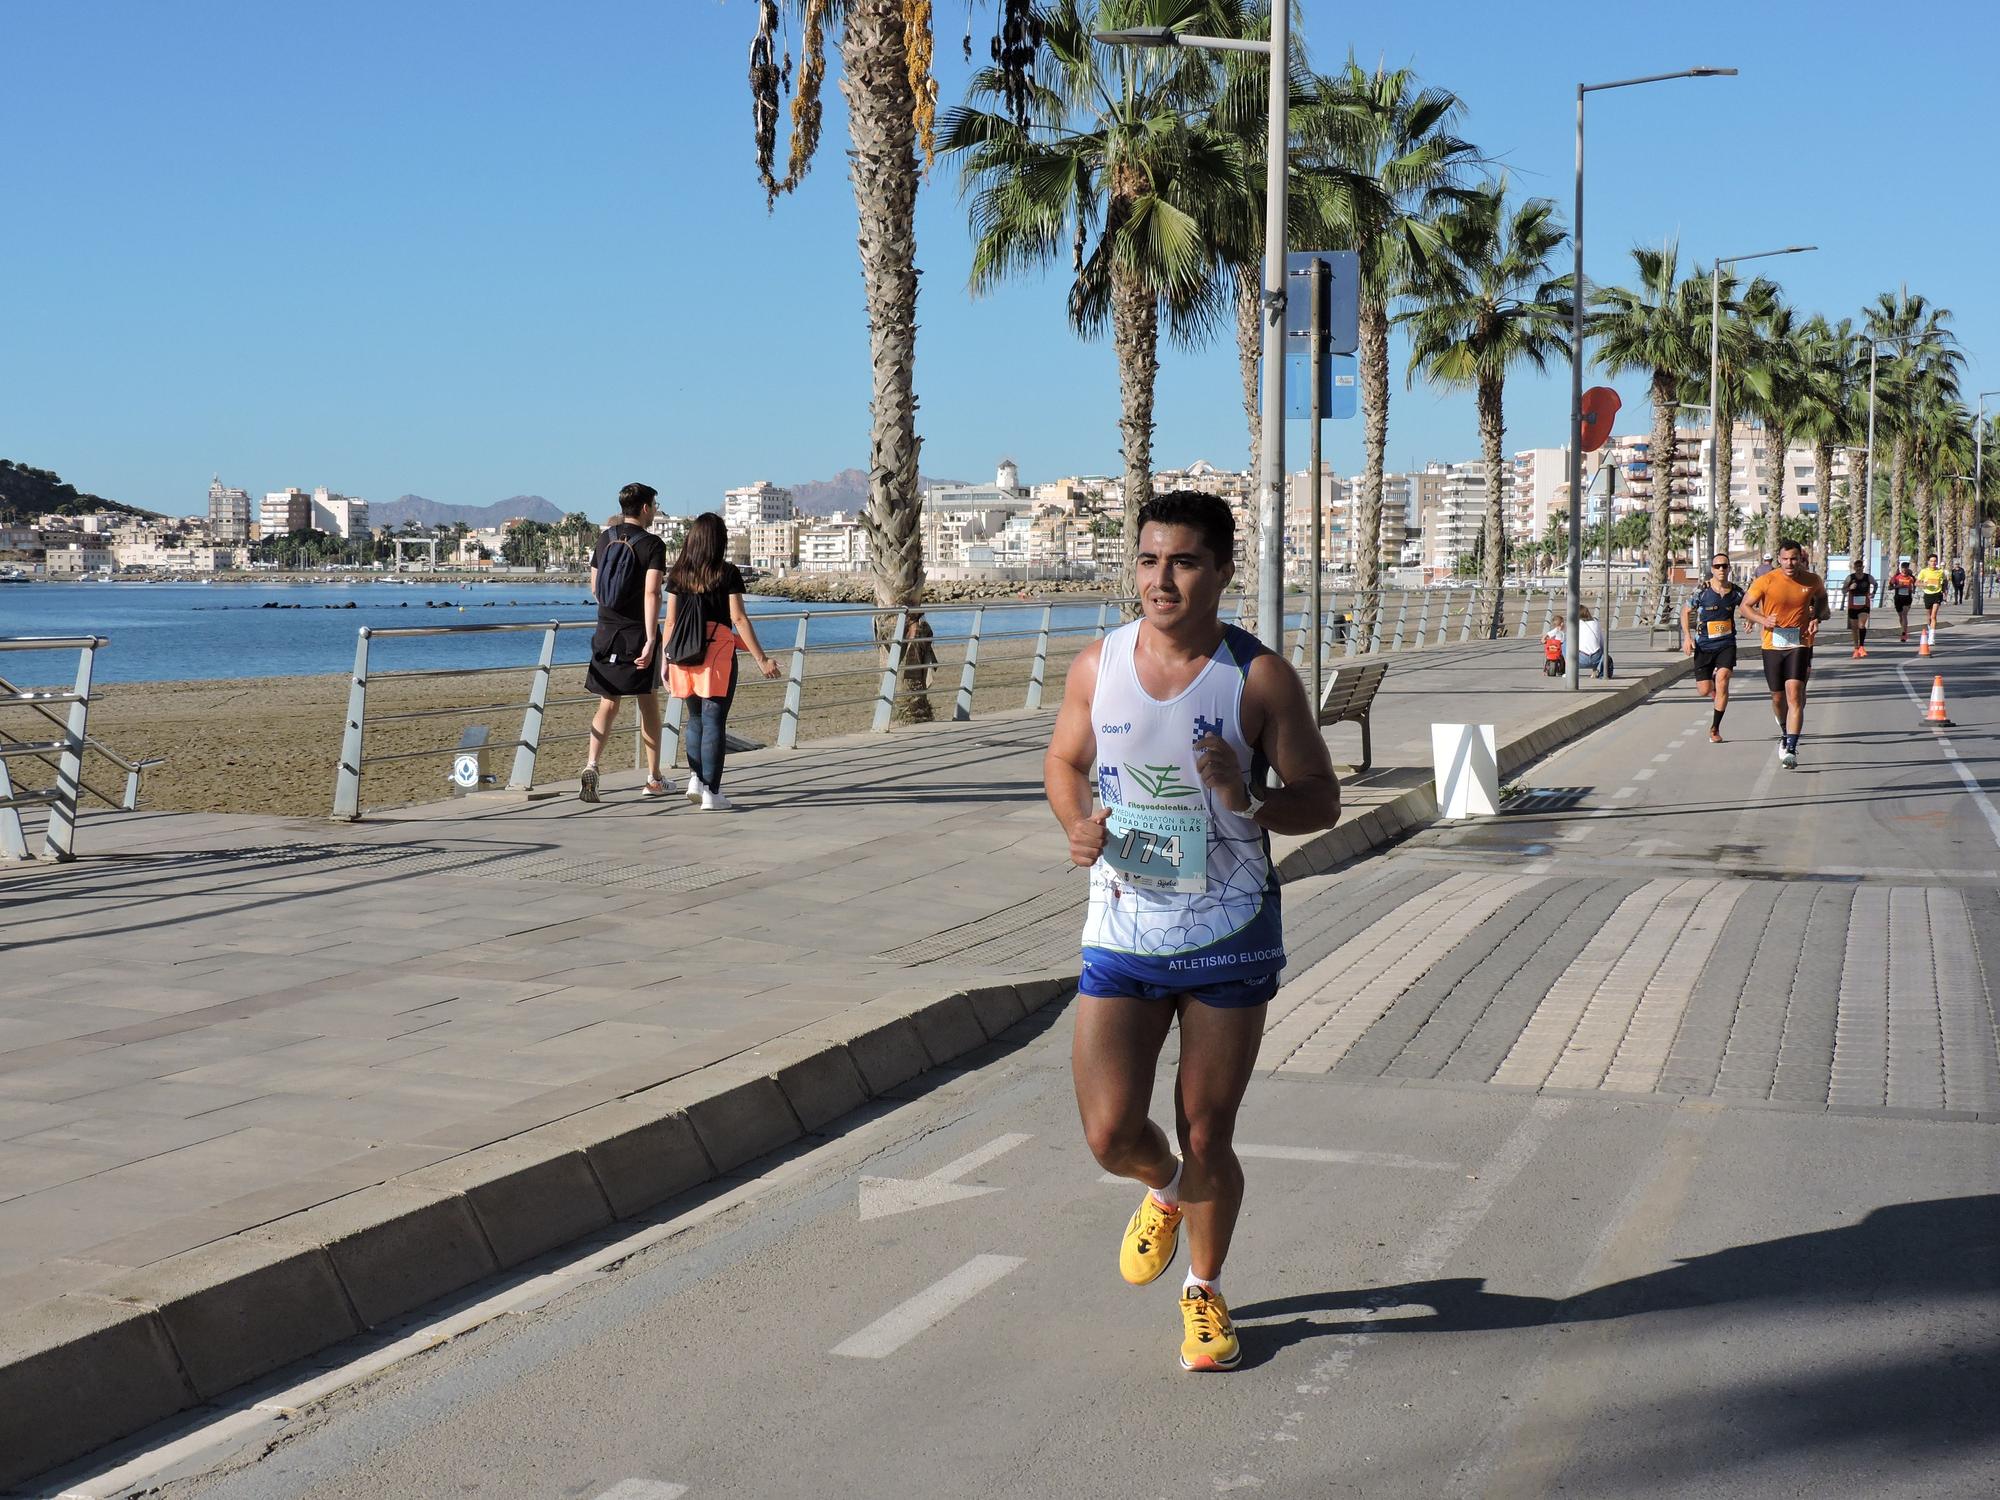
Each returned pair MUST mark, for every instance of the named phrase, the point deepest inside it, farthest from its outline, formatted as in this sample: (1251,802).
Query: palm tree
(1923,342)
(1651,328)
(885,53)
(1824,414)
(1774,390)
(1122,168)
(1382,127)
(1487,303)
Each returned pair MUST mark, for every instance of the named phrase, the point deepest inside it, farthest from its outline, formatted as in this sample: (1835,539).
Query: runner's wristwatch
(1257,801)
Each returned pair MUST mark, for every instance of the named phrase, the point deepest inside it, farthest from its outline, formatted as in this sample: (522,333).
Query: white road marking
(1626,791)
(1320,1155)
(1644,773)
(882,1196)
(932,1305)
(1985,804)
(643,1489)
(1661,760)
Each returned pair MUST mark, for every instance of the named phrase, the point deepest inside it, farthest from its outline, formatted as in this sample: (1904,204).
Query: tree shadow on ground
(1940,1253)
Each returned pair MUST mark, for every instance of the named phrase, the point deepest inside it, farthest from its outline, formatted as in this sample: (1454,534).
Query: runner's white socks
(1170,1195)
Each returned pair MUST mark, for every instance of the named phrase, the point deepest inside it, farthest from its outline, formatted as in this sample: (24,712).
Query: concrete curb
(86,1369)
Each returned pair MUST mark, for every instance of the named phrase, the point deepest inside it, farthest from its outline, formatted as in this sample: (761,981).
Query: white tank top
(1230,928)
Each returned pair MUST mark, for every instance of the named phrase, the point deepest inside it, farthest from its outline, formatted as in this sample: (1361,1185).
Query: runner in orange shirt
(1789,604)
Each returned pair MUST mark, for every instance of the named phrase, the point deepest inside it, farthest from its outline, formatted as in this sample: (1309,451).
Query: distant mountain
(26,492)
(847,490)
(391,513)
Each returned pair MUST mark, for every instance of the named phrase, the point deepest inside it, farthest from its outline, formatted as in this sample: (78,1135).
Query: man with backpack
(625,573)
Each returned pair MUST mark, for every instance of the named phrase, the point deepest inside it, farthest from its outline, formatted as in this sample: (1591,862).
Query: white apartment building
(339,515)
(1458,519)
(773,544)
(1400,496)
(835,545)
(755,505)
(75,559)
(285,511)
(228,513)
(1541,479)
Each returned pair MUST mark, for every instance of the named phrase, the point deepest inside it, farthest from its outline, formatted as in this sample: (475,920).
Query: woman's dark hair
(1207,514)
(704,554)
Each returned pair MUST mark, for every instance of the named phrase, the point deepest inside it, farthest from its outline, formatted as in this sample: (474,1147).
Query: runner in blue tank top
(1171,721)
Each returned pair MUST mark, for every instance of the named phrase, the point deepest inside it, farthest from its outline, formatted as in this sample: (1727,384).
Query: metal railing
(906,655)
(65,754)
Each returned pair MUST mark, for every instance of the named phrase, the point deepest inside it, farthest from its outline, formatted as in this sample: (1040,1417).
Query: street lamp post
(1715,373)
(1271,476)
(1572,617)
(1868,502)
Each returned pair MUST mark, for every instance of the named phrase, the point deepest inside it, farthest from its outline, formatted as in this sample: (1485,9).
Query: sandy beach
(270,744)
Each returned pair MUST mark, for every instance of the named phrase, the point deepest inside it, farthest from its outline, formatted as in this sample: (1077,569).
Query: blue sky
(474,250)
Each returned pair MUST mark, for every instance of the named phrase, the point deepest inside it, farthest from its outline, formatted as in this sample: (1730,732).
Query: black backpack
(621,582)
(689,643)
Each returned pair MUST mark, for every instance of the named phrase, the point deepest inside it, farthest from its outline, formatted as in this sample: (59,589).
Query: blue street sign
(1339,387)
(1340,313)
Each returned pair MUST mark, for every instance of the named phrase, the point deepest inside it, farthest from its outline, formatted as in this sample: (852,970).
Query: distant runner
(1788,603)
(1172,721)
(1958,583)
(1932,580)
(1708,634)
(1903,590)
(1859,590)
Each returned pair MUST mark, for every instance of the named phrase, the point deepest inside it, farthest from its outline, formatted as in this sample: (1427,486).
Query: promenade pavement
(1639,1141)
(210,1022)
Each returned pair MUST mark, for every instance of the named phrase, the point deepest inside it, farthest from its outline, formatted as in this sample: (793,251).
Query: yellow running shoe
(1210,1342)
(1149,1241)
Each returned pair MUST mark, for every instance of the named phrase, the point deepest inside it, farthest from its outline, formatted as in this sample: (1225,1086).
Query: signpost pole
(1316,286)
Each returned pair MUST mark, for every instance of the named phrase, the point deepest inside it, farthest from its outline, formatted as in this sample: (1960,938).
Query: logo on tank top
(1108,790)
(1162,781)
(1204,727)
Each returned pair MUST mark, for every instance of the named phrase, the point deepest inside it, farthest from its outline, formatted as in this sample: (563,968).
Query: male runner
(1902,589)
(1708,634)
(1171,720)
(1789,603)
(1957,582)
(1859,590)
(1932,580)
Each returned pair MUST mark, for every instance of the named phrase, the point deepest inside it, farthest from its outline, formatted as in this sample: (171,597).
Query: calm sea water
(163,632)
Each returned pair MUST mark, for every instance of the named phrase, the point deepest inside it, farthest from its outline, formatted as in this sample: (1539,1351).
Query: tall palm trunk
(1858,521)
(1492,428)
(1899,456)
(1724,498)
(881,116)
(1823,496)
(1921,503)
(1249,347)
(1135,335)
(1374,350)
(1775,439)
(1660,466)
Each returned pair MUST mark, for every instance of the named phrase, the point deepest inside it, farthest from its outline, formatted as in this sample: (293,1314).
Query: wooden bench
(1350,694)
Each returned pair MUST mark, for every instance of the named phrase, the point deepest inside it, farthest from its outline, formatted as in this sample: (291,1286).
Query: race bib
(1719,627)
(1786,637)
(1164,850)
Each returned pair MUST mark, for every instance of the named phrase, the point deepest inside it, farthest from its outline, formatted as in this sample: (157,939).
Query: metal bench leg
(1367,743)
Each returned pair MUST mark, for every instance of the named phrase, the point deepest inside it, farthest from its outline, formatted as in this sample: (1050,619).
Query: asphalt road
(1446,1287)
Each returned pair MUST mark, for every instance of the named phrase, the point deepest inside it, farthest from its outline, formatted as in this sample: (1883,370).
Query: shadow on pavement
(1939,1252)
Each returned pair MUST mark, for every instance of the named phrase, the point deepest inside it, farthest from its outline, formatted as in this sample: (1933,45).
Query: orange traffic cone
(1936,714)
(1924,642)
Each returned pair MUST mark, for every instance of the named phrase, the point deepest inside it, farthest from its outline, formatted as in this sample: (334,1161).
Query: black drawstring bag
(689,643)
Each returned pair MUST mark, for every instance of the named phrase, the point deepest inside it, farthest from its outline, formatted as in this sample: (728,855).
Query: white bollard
(1468,770)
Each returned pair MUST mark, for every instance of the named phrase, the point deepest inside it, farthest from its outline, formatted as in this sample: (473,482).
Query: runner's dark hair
(635,498)
(1791,547)
(1208,514)
(704,550)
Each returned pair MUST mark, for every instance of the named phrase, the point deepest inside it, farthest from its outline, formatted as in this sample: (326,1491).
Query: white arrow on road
(883,1196)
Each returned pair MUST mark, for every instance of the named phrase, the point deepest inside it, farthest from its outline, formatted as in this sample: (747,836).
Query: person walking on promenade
(1171,721)
(625,570)
(1708,634)
(1789,604)
(1958,583)
(705,582)
(1859,590)
(1902,590)
(1931,579)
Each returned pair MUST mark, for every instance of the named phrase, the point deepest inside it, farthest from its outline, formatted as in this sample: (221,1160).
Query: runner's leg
(1795,707)
(1218,1051)
(1113,1055)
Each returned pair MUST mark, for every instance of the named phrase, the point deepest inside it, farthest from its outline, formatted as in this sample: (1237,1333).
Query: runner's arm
(1291,740)
(1071,757)
(1687,626)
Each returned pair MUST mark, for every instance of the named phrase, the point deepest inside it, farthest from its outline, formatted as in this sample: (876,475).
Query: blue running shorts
(1105,978)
